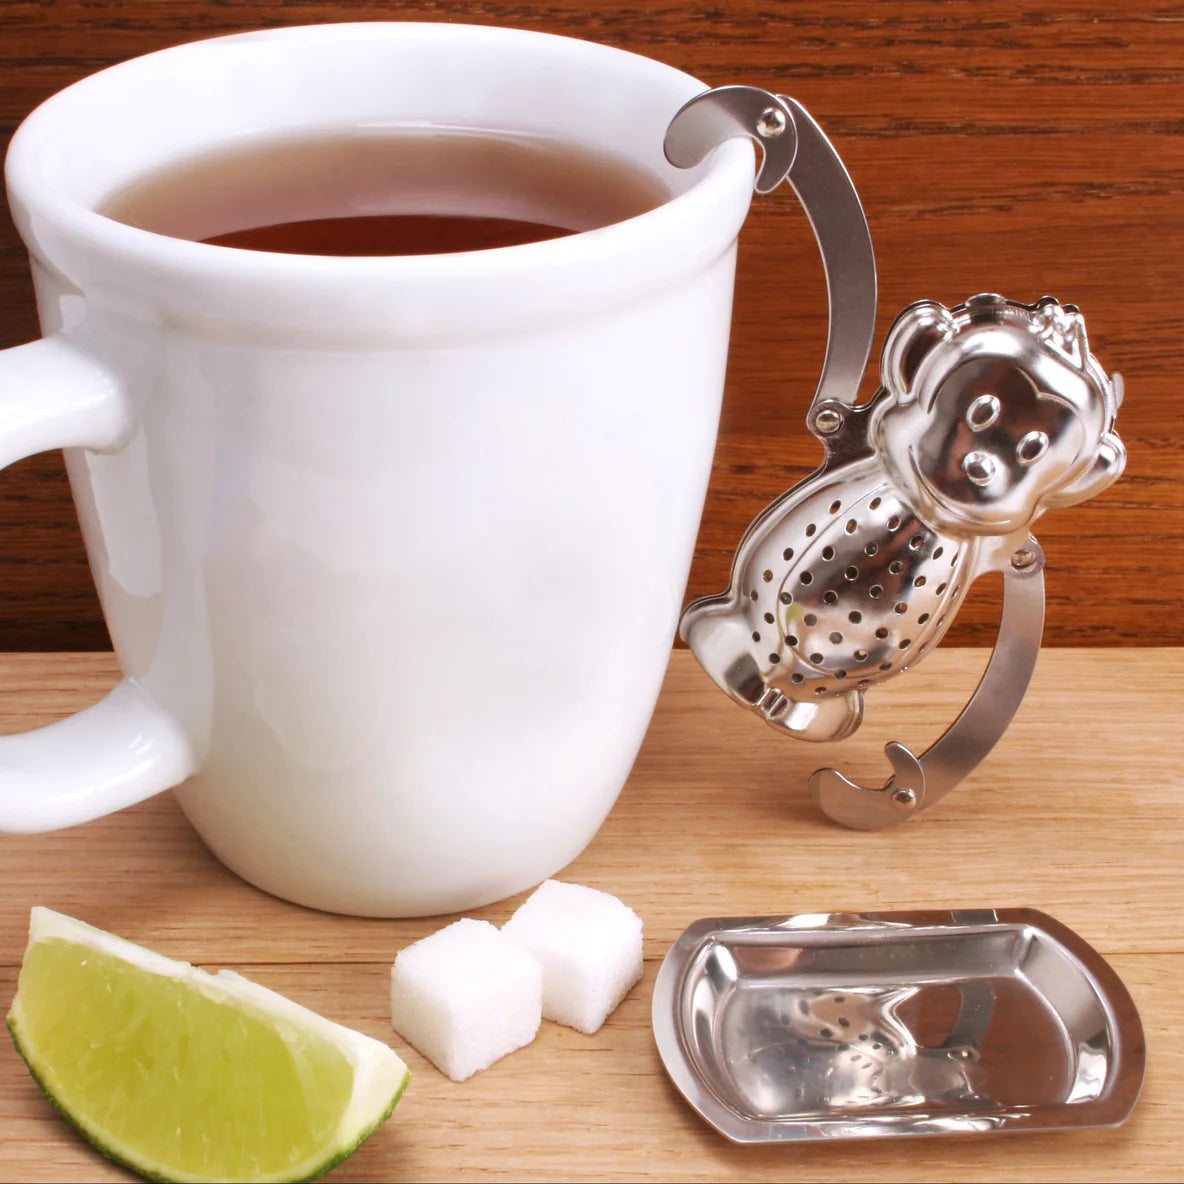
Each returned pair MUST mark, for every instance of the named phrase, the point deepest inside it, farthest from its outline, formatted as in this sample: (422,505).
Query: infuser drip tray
(835,1025)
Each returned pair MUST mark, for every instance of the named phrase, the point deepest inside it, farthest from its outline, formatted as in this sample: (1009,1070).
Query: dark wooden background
(1023,148)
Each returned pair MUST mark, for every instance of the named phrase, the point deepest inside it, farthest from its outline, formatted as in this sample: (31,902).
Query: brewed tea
(387,191)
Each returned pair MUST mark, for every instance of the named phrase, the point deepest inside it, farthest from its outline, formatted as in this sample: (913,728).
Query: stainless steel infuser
(988,414)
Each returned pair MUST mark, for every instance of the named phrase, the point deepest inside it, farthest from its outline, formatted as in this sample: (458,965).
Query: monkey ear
(914,333)
(1105,470)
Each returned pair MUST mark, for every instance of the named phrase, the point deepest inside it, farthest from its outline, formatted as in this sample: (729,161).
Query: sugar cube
(465,996)
(589,944)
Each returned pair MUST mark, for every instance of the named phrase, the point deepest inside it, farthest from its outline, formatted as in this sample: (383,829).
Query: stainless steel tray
(839,1025)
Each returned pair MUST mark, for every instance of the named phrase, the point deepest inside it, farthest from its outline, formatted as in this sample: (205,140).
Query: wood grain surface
(1014,146)
(1078,812)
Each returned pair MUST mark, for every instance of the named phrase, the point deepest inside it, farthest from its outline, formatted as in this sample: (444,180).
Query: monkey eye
(982,412)
(1031,448)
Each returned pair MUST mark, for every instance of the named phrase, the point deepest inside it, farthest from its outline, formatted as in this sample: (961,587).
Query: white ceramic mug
(391,550)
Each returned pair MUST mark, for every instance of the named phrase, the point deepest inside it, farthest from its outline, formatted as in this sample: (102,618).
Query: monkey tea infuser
(988,414)
(826,1026)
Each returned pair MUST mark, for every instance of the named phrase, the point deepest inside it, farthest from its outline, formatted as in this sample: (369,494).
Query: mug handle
(126,747)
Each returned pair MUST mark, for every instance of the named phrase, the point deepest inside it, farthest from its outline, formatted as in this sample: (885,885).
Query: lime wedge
(183,1075)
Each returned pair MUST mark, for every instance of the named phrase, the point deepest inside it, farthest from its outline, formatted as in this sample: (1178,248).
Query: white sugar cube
(465,996)
(589,945)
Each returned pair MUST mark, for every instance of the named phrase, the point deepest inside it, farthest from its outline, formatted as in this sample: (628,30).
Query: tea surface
(386,191)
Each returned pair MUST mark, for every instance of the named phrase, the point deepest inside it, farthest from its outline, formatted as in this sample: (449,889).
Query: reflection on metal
(856,1025)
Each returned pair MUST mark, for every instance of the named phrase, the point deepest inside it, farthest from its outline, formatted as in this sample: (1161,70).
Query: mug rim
(36,199)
